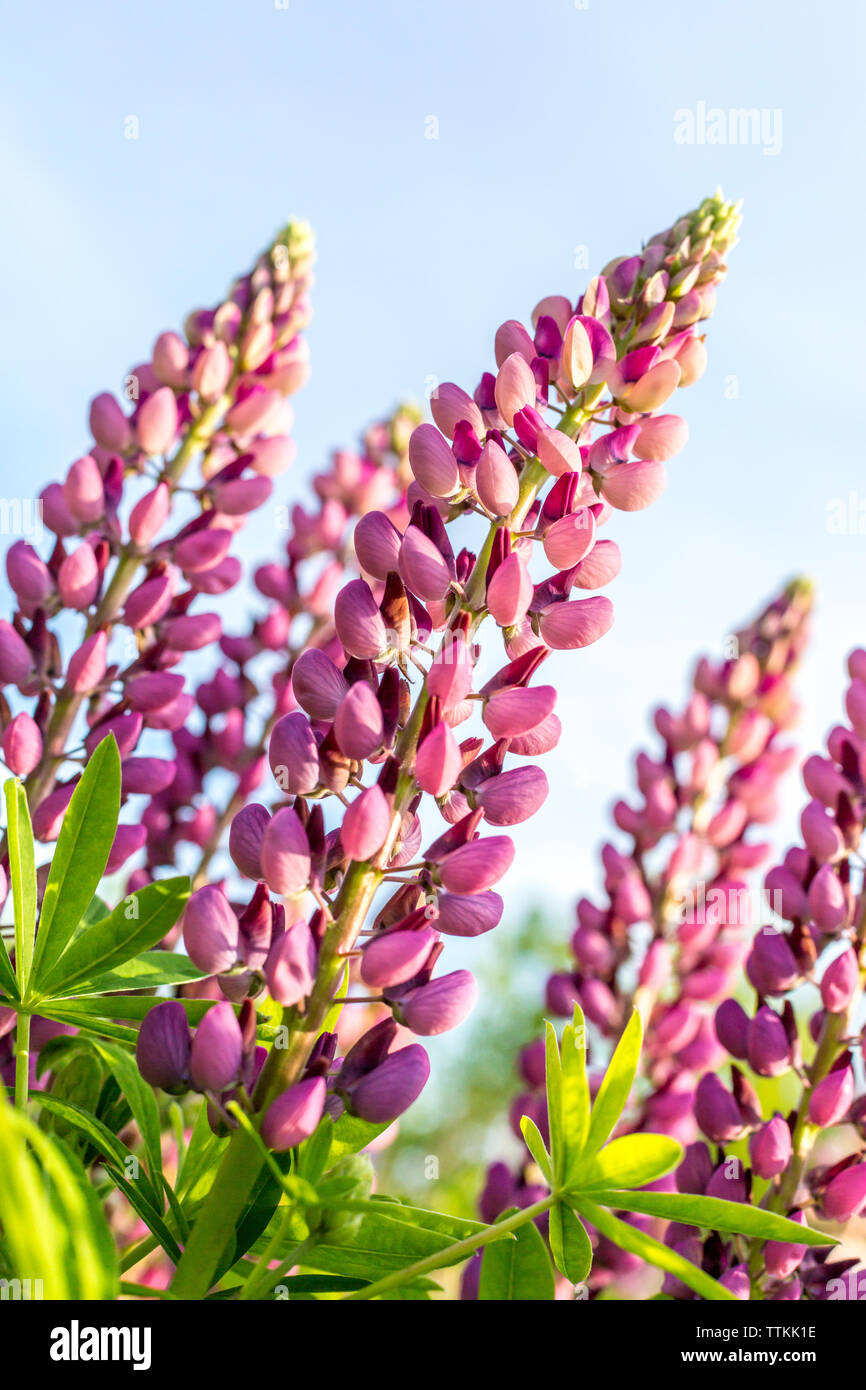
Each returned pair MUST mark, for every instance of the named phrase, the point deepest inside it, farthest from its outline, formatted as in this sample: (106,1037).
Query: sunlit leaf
(614,1091)
(715,1214)
(630,1161)
(569,1243)
(636,1242)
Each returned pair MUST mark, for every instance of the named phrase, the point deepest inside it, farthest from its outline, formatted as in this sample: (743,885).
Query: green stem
(22,1060)
(218,1218)
(452,1254)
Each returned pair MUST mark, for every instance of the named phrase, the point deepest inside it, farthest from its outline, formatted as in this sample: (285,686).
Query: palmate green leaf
(517,1270)
(631,1161)
(8,982)
(715,1214)
(535,1144)
(553,1086)
(52,1222)
(22,875)
(575,1091)
(136,924)
(134,1007)
(382,1244)
(148,971)
(636,1242)
(454,1227)
(142,1102)
(90,1026)
(614,1091)
(569,1243)
(83,846)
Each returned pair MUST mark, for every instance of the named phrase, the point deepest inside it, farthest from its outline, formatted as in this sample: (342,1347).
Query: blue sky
(556,131)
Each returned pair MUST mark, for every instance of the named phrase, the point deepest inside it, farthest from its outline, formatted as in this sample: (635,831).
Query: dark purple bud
(245,839)
(294,1115)
(217,1049)
(780,1258)
(716,1110)
(210,930)
(390,1088)
(769,1049)
(846,1194)
(770,1148)
(468,914)
(831,1099)
(291,965)
(771,966)
(440,1005)
(163,1045)
(732,1028)
(695,1171)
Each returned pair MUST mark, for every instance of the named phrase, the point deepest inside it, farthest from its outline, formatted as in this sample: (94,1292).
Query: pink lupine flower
(845,1196)
(245,839)
(285,853)
(83,492)
(830,1100)
(215,1056)
(293,755)
(358,724)
(22,745)
(840,982)
(359,623)
(29,576)
(394,957)
(156,421)
(291,965)
(770,1148)
(210,931)
(366,823)
(439,1006)
(567,626)
(476,866)
(163,1047)
(294,1115)
(377,544)
(433,462)
(318,685)
(438,762)
(108,424)
(496,480)
(390,1088)
(517,711)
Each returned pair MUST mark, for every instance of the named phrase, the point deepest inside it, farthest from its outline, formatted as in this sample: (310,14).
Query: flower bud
(517,710)
(438,762)
(285,853)
(450,674)
(840,982)
(781,1258)
(567,626)
(170,360)
(87,666)
(210,930)
(366,823)
(515,387)
(28,575)
(432,462)
(827,902)
(770,1148)
(162,1048)
(359,623)
(202,551)
(83,491)
(769,1049)
(211,372)
(422,566)
(149,515)
(193,631)
(294,1115)
(632,486)
(496,480)
(147,776)
(245,839)
(468,914)
(513,796)
(318,685)
(293,755)
(156,421)
(510,592)
(440,1005)
(108,424)
(771,966)
(389,1089)
(393,957)
(290,968)
(732,1028)
(216,1054)
(716,1111)
(477,865)
(22,745)
(660,437)
(153,690)
(830,1100)
(358,726)
(16,661)
(377,544)
(845,1196)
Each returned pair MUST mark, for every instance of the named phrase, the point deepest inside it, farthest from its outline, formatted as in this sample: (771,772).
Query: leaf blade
(614,1091)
